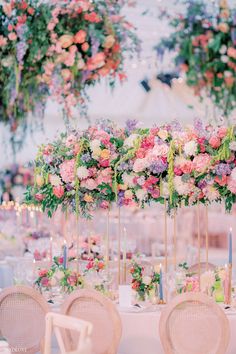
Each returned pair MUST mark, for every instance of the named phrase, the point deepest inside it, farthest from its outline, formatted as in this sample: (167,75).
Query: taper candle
(230,246)
(161,285)
(65,255)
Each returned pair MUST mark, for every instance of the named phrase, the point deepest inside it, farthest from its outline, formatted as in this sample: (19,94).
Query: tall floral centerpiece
(90,169)
(204,42)
(59,48)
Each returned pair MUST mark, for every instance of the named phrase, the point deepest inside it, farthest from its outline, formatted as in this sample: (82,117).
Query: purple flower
(222,169)
(86,157)
(123,166)
(202,184)
(158,166)
(131,125)
(198,126)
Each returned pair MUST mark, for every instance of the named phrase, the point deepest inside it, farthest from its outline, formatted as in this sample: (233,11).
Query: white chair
(92,306)
(193,323)
(203,267)
(57,323)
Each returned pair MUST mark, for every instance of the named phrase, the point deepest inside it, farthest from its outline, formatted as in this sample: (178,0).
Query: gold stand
(119,247)
(108,239)
(165,237)
(207,240)
(161,302)
(229,290)
(175,245)
(77,242)
(199,245)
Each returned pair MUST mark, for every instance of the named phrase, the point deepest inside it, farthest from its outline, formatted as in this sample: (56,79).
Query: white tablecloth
(140,333)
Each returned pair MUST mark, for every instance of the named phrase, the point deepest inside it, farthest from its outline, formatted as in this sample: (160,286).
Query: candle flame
(230,229)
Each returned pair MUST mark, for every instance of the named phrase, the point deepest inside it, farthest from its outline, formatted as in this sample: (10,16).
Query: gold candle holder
(161,302)
(165,236)
(119,248)
(199,245)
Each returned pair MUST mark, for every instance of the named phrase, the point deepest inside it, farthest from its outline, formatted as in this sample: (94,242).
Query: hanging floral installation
(58,49)
(91,169)
(204,45)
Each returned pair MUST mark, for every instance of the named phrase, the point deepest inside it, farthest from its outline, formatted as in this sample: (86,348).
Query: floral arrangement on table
(59,48)
(82,171)
(143,285)
(91,248)
(95,264)
(204,42)
(14,176)
(66,279)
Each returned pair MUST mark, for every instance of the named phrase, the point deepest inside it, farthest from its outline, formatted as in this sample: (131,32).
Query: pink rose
(39,197)
(187,167)
(141,153)
(43,273)
(80,37)
(104,163)
(71,280)
(222,131)
(45,282)
(58,191)
(3,41)
(67,170)
(12,36)
(7,9)
(231,52)
(178,171)
(214,141)
(201,162)
(104,204)
(155,193)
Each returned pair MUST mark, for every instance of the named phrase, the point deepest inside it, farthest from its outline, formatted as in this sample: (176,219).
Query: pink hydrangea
(89,183)
(104,176)
(201,162)
(221,133)
(67,170)
(140,165)
(232,185)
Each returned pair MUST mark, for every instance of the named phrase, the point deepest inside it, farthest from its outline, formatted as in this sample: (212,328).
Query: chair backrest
(92,306)
(22,318)
(204,267)
(193,323)
(56,323)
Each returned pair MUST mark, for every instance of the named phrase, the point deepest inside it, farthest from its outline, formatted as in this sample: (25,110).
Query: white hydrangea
(55,180)
(233,174)
(128,179)
(224,58)
(129,142)
(141,194)
(181,187)
(82,172)
(190,148)
(223,49)
(95,144)
(207,280)
(147,280)
(165,190)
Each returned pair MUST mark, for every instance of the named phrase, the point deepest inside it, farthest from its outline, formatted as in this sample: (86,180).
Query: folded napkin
(4,347)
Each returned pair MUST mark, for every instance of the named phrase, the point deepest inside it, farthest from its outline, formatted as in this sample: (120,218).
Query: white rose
(82,172)
(224,58)
(96,153)
(223,49)
(129,142)
(190,148)
(181,187)
(55,180)
(141,194)
(94,144)
(147,280)
(59,275)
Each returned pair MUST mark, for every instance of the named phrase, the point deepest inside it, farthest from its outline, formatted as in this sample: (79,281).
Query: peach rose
(229,81)
(7,9)
(109,42)
(66,40)
(58,191)
(105,154)
(231,52)
(85,47)
(223,27)
(88,198)
(80,37)
(214,141)
(66,74)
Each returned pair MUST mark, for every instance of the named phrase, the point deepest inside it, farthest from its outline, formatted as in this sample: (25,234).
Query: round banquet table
(140,333)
